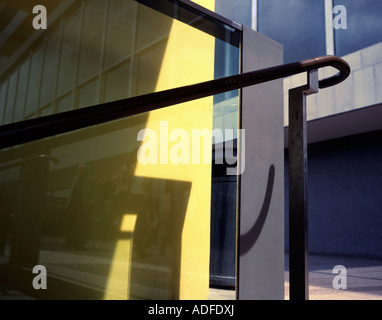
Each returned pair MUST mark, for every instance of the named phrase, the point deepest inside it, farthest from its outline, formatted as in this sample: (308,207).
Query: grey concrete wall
(261,186)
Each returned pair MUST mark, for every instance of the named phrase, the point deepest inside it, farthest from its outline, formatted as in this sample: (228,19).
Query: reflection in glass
(3,96)
(101,231)
(68,55)
(91,39)
(21,91)
(116,82)
(104,225)
(34,80)
(50,69)
(65,103)
(11,96)
(121,22)
(88,94)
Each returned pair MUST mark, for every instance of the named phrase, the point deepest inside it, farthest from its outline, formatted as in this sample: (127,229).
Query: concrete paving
(363,278)
(363,281)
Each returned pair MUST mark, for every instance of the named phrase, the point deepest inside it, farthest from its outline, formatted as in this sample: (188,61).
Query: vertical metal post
(298,179)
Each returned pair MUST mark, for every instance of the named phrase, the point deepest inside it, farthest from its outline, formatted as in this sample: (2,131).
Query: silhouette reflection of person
(79,208)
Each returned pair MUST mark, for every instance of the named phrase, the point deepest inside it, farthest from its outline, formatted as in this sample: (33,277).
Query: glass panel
(91,40)
(98,37)
(117,82)
(298,25)
(68,61)
(151,26)
(34,80)
(120,32)
(102,223)
(47,110)
(22,91)
(88,94)
(3,96)
(65,103)
(363,21)
(226,64)
(50,69)
(147,62)
(11,96)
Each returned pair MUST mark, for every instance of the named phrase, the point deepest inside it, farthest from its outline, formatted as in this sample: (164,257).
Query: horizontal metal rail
(47,126)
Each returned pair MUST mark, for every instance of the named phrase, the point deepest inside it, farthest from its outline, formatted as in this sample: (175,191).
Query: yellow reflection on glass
(105,225)
(119,277)
(176,69)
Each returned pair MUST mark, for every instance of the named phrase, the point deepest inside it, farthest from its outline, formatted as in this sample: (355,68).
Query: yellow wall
(175,71)
(209,4)
(178,69)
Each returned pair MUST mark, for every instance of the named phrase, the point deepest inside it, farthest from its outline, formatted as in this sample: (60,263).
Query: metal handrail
(47,126)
